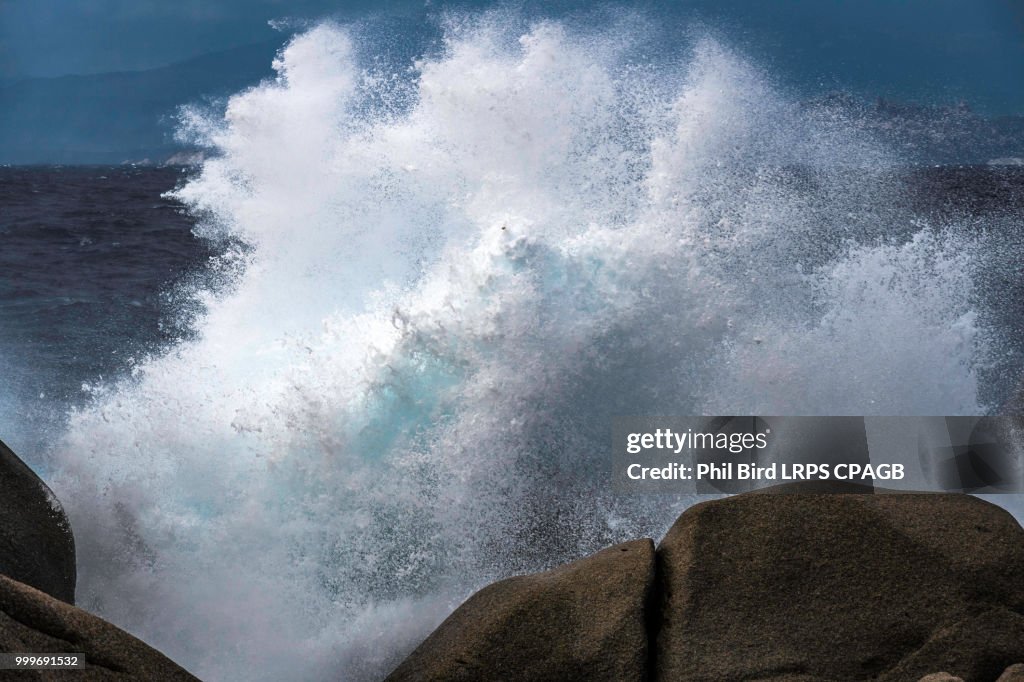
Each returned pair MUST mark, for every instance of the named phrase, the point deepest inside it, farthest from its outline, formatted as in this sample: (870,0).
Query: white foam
(405,391)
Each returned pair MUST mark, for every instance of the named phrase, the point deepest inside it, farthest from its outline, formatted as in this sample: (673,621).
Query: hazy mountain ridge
(121,116)
(129,116)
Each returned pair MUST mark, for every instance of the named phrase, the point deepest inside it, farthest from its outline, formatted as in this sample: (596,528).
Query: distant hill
(111,118)
(116,117)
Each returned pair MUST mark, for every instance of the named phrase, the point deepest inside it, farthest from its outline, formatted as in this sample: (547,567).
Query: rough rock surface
(31,621)
(843,586)
(806,586)
(36,544)
(580,621)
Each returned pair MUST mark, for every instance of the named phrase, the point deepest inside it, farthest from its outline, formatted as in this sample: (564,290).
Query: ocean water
(91,259)
(300,401)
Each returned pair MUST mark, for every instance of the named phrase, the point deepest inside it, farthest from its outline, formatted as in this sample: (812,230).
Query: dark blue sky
(925,50)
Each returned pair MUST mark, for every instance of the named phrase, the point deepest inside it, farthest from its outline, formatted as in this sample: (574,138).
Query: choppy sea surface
(301,400)
(90,258)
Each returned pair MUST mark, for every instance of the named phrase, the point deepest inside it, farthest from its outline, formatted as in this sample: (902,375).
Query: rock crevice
(587,616)
(787,587)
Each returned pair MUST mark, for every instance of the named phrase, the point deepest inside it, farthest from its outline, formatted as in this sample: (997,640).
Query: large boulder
(34,622)
(580,621)
(36,544)
(805,586)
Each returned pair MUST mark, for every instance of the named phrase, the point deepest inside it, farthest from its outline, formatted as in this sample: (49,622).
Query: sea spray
(403,390)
